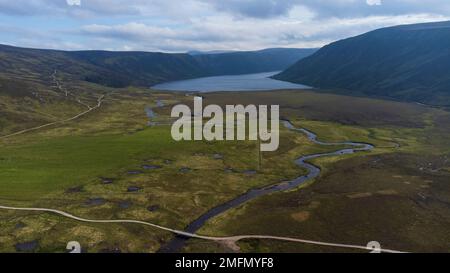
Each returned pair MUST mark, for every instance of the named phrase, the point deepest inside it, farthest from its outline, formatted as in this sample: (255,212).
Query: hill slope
(120,69)
(117,69)
(410,62)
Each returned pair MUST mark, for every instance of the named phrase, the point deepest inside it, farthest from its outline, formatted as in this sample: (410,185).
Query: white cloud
(73,2)
(181,25)
(225,32)
(374,2)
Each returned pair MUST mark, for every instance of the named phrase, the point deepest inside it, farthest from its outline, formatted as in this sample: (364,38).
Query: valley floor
(113,164)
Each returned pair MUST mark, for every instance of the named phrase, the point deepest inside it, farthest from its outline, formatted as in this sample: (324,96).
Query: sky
(185,25)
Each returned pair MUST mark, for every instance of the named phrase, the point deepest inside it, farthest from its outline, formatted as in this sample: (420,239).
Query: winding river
(176,244)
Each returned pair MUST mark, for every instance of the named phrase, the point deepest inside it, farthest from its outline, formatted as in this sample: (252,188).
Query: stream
(177,243)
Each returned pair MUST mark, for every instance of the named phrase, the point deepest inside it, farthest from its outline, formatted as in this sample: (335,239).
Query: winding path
(67,93)
(233,239)
(182,236)
(99,104)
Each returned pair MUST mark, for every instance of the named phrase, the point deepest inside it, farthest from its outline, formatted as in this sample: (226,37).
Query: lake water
(248,82)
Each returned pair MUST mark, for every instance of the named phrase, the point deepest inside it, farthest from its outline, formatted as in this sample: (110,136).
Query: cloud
(361,8)
(225,33)
(262,9)
(374,2)
(72,8)
(73,2)
(181,25)
(255,8)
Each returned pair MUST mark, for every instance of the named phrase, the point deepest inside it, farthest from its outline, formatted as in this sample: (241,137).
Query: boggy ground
(398,196)
(111,165)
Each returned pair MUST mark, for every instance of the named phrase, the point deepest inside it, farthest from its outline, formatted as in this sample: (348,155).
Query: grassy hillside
(406,62)
(122,69)
(115,69)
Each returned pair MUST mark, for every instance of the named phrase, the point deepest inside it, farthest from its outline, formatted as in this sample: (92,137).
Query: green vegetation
(398,194)
(110,164)
(386,197)
(122,69)
(405,62)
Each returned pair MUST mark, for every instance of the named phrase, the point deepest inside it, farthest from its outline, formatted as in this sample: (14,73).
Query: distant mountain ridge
(246,62)
(408,62)
(120,69)
(197,52)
